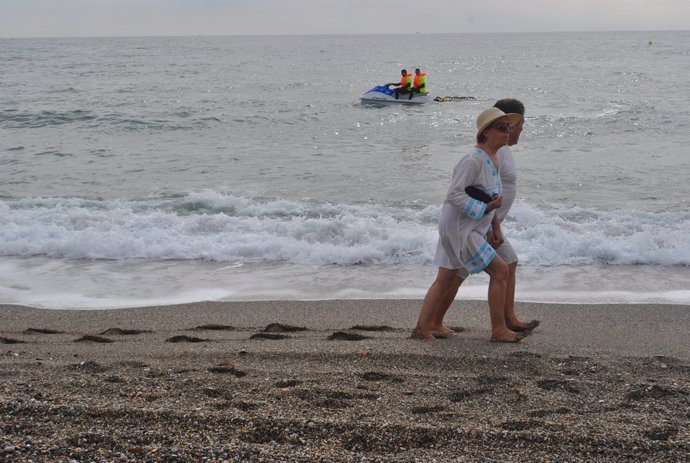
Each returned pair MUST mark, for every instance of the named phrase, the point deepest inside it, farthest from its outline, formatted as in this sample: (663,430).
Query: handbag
(478,194)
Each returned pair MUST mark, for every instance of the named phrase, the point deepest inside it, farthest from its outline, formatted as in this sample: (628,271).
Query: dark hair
(510,105)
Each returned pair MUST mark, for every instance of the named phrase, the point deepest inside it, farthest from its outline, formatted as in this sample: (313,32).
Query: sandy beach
(342,381)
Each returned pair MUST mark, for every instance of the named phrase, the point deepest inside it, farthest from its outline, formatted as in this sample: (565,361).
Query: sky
(115,18)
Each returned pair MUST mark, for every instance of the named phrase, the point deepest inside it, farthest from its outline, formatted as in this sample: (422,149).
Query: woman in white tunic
(508,171)
(464,224)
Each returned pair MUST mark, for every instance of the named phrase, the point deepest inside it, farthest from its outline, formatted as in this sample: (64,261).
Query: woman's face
(498,133)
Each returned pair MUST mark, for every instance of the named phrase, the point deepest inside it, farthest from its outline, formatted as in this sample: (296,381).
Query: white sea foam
(226,228)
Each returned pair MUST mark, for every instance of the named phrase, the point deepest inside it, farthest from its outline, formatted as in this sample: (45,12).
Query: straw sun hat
(489,116)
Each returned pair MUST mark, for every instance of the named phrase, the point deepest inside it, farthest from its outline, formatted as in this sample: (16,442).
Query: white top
(463,224)
(508,171)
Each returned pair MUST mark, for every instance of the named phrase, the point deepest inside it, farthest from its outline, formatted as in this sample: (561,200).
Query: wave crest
(227,228)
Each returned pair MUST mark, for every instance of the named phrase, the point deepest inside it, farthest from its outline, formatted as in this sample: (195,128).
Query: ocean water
(144,171)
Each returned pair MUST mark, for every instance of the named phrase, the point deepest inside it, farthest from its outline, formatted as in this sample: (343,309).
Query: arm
(495,235)
(465,174)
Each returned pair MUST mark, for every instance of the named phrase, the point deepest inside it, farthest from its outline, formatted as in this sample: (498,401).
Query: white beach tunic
(463,225)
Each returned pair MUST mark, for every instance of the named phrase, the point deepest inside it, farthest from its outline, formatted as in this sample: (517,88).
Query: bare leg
(511,317)
(512,320)
(445,282)
(445,304)
(498,283)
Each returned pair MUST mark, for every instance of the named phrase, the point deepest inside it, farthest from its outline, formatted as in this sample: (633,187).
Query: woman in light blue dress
(464,224)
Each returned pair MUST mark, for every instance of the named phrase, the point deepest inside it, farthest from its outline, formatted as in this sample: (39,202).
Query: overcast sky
(77,18)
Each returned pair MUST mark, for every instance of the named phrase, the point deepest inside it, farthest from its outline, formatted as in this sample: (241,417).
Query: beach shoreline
(341,380)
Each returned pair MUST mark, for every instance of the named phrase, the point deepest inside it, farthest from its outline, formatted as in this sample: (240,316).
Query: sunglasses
(502,126)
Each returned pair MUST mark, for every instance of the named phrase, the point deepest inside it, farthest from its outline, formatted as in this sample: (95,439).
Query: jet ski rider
(405,85)
(419,85)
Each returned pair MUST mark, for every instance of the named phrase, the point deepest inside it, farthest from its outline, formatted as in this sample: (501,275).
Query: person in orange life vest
(405,85)
(419,84)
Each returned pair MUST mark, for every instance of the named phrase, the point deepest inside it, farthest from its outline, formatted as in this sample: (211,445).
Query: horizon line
(332,34)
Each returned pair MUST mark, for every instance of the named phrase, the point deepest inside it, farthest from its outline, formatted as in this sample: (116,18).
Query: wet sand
(342,381)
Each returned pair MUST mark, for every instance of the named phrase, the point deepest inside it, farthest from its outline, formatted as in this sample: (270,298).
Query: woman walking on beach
(464,224)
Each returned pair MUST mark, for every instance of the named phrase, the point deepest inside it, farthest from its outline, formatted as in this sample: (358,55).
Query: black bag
(478,194)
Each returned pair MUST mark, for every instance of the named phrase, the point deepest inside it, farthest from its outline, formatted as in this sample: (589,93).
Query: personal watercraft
(384,94)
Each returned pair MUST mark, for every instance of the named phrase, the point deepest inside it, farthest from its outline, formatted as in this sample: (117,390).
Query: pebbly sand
(342,381)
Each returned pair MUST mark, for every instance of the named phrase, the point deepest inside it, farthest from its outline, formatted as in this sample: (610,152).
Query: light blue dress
(463,225)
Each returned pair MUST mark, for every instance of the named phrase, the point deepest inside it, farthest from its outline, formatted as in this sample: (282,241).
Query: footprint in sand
(122,332)
(214,327)
(89,366)
(491,380)
(286,383)
(460,396)
(344,336)
(41,331)
(270,336)
(373,328)
(183,338)
(227,369)
(654,392)
(280,328)
(661,434)
(426,410)
(97,339)
(549,384)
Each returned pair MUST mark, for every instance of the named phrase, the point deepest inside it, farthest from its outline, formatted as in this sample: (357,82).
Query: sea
(163,170)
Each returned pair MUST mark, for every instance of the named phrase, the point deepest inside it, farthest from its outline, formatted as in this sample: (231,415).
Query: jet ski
(383,94)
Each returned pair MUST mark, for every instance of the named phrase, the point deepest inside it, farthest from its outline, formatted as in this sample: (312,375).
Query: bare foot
(426,335)
(520,326)
(443,330)
(508,336)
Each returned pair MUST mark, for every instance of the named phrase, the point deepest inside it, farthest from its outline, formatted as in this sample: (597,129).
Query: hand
(495,203)
(495,238)
(490,238)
